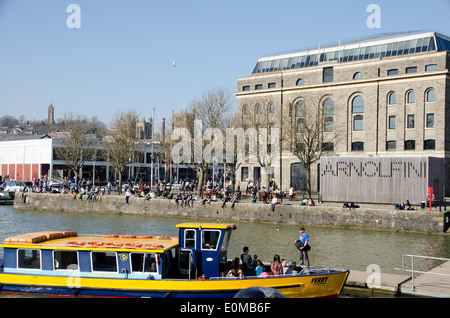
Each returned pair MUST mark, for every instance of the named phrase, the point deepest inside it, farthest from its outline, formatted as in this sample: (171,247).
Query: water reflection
(331,246)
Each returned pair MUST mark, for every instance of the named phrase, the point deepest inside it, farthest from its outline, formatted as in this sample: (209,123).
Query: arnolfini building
(387,96)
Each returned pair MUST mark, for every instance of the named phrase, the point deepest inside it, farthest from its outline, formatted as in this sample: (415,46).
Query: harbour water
(355,249)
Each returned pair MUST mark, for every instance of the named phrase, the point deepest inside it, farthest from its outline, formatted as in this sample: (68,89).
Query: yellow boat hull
(301,286)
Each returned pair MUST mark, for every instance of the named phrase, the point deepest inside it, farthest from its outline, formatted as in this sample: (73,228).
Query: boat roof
(68,240)
(195,225)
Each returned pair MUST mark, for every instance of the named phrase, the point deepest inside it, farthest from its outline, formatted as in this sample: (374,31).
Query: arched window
(358,104)
(300,82)
(300,125)
(410,97)
(358,123)
(358,75)
(328,124)
(245,110)
(328,107)
(392,98)
(328,112)
(258,109)
(430,95)
(271,108)
(300,109)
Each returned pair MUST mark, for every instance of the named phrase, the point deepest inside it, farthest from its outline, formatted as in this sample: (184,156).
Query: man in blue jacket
(304,238)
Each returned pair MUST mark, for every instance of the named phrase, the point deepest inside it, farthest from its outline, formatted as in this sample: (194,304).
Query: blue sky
(121,57)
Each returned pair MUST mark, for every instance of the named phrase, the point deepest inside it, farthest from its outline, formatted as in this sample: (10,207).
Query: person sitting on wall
(408,205)
(354,206)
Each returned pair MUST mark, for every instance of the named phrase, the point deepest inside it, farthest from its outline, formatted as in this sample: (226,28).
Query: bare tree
(78,147)
(120,146)
(265,125)
(309,129)
(206,121)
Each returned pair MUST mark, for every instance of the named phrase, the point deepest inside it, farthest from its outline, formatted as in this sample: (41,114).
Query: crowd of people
(247,265)
(185,193)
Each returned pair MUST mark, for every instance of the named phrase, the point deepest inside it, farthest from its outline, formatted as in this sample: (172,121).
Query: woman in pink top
(275,266)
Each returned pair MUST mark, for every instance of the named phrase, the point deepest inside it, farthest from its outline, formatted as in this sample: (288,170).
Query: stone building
(386,96)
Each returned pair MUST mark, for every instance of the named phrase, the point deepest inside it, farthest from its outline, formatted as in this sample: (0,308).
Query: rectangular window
(392,72)
(244,173)
(410,121)
(391,145)
(328,146)
(410,144)
(29,259)
(357,146)
(104,261)
(258,86)
(65,260)
(143,263)
(327,74)
(412,69)
(429,144)
(246,88)
(189,238)
(358,123)
(272,85)
(431,67)
(391,122)
(210,239)
(430,120)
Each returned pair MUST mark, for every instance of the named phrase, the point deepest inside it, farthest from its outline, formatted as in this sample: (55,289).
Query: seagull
(174,63)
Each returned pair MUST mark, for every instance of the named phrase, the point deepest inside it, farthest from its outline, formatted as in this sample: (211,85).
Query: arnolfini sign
(380,179)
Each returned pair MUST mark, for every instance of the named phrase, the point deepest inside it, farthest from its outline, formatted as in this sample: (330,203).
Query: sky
(121,55)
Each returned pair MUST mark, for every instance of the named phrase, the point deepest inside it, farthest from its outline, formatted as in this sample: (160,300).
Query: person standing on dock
(304,238)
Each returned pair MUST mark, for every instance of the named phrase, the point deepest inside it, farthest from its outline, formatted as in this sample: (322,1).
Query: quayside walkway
(433,283)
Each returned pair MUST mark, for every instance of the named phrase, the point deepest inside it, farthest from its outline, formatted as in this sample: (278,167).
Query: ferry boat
(191,265)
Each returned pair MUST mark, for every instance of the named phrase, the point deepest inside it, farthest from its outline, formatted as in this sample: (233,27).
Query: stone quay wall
(369,218)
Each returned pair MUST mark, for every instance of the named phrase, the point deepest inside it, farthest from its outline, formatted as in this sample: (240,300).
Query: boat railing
(302,272)
(413,270)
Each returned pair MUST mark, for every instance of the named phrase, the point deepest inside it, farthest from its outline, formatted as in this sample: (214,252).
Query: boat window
(189,238)
(29,259)
(63,260)
(210,239)
(104,262)
(143,263)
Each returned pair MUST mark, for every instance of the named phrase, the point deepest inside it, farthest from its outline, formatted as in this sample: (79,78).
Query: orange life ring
(93,244)
(113,244)
(152,246)
(110,235)
(131,245)
(144,236)
(78,243)
(162,237)
(127,236)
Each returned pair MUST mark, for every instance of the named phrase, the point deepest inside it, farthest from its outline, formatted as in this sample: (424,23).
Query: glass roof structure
(369,48)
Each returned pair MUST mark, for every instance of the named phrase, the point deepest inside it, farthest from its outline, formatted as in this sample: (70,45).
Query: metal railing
(414,271)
